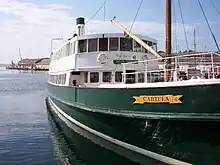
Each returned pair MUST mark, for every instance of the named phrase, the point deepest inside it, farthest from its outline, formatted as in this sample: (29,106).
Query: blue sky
(30,24)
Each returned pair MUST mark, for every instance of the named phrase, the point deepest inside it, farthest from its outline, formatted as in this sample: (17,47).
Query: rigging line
(104,10)
(136,15)
(96,12)
(181,14)
(129,32)
(175,28)
(213,36)
(218,11)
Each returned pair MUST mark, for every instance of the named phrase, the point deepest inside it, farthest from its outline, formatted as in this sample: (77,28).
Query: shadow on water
(72,148)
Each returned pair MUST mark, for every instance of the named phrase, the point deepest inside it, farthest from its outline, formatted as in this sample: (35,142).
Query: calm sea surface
(29,135)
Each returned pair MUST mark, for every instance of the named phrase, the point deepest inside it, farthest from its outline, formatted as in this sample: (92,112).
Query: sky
(31,24)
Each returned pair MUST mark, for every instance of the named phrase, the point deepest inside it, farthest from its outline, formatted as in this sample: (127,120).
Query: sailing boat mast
(168,39)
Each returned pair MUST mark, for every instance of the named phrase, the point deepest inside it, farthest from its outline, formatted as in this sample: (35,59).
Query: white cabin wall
(85,61)
(63,64)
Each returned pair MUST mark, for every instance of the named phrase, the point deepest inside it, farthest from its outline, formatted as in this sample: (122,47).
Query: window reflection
(86,77)
(92,45)
(106,77)
(143,49)
(94,77)
(140,77)
(82,46)
(118,76)
(126,44)
(137,47)
(113,44)
(103,44)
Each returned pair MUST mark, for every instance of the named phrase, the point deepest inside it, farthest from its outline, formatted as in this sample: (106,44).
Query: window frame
(91,76)
(106,78)
(85,46)
(105,38)
(116,76)
(89,41)
(118,46)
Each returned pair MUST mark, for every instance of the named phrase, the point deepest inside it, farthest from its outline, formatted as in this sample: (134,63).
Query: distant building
(27,63)
(34,64)
(42,64)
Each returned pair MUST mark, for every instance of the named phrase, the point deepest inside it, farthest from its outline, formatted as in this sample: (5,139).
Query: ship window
(75,73)
(59,79)
(137,46)
(150,43)
(113,44)
(94,77)
(73,47)
(155,46)
(64,78)
(143,49)
(82,46)
(56,80)
(86,77)
(92,45)
(118,76)
(106,76)
(70,48)
(103,44)
(126,44)
(130,78)
(140,77)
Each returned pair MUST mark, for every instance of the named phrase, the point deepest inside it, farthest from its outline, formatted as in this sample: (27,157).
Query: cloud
(30,27)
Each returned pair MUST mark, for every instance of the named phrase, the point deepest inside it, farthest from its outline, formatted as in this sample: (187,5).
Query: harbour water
(30,135)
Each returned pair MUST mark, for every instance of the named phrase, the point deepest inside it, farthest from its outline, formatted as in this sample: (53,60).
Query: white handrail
(211,72)
(179,56)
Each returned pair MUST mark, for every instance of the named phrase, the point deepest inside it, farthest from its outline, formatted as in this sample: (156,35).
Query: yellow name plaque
(171,99)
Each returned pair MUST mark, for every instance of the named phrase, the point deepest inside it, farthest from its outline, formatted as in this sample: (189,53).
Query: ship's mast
(168,39)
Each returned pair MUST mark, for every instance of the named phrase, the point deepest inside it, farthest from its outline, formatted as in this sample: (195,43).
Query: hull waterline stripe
(147,153)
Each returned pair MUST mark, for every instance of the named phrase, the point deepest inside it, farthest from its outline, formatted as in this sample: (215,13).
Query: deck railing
(197,66)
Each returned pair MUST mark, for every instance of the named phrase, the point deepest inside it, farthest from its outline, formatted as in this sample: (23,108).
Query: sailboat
(117,87)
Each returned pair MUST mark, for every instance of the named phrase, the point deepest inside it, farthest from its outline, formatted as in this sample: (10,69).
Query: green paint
(200,101)
(116,62)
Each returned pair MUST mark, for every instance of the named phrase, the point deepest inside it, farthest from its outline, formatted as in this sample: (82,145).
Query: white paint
(191,82)
(80,29)
(139,150)
(89,36)
(63,64)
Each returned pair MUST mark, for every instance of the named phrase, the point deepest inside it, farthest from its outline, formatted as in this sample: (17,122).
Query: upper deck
(99,51)
(102,42)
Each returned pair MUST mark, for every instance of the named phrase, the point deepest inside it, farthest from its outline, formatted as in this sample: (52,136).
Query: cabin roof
(100,35)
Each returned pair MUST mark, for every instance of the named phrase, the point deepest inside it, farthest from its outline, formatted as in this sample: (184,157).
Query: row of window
(102,44)
(107,77)
(57,79)
(112,44)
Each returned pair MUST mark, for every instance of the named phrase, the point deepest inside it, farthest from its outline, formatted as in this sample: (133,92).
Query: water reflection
(72,148)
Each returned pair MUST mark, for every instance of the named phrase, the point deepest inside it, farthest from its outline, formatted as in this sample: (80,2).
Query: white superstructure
(90,60)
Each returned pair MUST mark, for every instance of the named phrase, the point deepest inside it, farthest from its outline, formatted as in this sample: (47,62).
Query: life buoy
(102,58)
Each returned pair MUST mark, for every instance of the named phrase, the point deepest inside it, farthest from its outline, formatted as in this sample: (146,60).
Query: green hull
(190,136)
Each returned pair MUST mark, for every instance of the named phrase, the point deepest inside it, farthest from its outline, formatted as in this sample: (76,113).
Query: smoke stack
(80,25)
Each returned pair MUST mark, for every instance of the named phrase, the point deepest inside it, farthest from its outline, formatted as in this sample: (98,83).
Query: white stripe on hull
(136,149)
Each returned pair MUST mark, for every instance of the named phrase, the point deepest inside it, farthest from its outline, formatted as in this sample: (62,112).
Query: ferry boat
(118,88)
